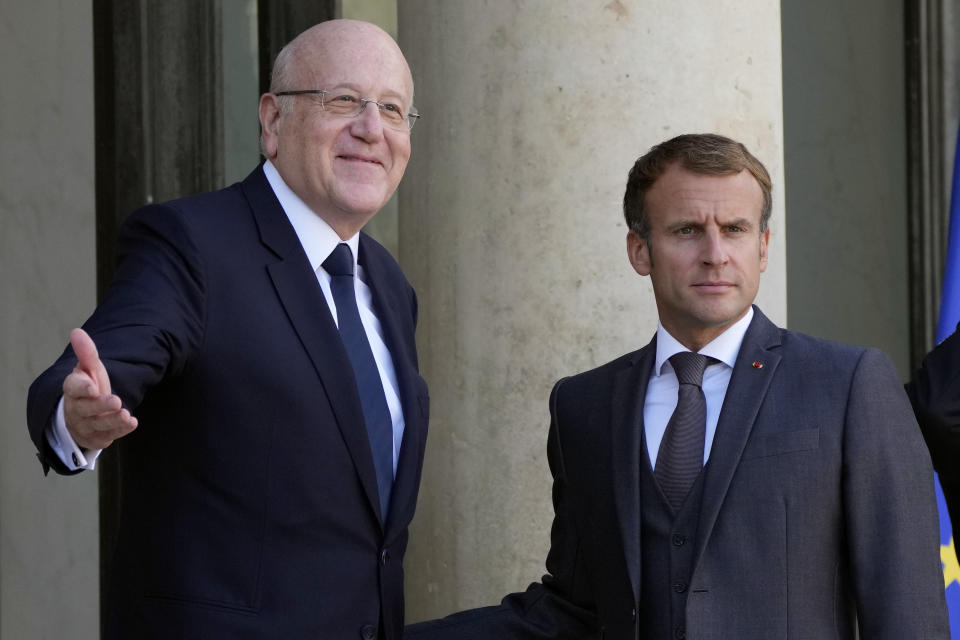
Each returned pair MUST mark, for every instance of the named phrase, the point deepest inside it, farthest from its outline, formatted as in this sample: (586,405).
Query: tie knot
(689,367)
(340,261)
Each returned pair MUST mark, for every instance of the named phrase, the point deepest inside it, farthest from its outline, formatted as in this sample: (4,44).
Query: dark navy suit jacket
(817,516)
(249,503)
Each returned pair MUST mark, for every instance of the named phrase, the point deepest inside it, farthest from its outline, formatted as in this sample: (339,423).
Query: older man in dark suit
(266,348)
(731,479)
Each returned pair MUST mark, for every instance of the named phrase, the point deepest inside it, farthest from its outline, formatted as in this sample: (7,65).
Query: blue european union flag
(950,300)
(949,317)
(952,588)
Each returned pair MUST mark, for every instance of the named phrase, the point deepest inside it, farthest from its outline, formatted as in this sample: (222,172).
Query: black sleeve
(935,395)
(146,327)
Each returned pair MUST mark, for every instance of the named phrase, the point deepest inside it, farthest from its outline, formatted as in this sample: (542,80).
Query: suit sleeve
(547,609)
(146,327)
(935,395)
(890,510)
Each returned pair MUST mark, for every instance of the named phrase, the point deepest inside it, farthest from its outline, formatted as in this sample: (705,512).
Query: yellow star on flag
(951,567)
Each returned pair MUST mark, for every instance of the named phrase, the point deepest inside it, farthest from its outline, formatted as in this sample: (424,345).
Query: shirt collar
(724,347)
(317,237)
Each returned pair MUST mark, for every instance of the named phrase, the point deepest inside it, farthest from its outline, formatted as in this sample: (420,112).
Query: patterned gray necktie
(681,450)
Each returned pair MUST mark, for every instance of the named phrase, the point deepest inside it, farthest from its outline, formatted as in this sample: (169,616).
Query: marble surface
(49,548)
(511,230)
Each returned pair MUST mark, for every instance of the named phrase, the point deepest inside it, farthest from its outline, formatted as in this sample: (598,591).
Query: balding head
(292,66)
(344,167)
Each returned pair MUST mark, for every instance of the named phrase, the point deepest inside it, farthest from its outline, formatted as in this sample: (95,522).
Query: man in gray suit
(731,479)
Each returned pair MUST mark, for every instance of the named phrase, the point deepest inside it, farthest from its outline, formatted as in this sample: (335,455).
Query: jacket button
(633,614)
(679,540)
(384,556)
(368,632)
(679,633)
(679,586)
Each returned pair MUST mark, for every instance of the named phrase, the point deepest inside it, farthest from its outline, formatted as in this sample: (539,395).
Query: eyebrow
(697,224)
(688,222)
(389,93)
(739,222)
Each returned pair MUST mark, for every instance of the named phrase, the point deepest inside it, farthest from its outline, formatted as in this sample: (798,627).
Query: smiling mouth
(359,159)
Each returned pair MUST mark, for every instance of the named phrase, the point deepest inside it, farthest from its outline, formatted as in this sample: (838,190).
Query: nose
(367,124)
(714,250)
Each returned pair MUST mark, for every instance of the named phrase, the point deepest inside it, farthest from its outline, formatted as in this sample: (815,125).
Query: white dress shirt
(661,397)
(318,240)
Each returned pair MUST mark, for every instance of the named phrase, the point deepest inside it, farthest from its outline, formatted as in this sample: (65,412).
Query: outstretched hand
(95,417)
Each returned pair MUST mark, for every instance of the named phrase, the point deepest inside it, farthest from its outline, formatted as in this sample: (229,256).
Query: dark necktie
(376,415)
(681,451)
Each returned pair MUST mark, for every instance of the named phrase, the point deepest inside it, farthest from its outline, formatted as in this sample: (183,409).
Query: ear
(764,247)
(270,124)
(638,252)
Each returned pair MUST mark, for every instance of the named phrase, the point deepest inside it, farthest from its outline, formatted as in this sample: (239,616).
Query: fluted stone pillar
(48,526)
(511,229)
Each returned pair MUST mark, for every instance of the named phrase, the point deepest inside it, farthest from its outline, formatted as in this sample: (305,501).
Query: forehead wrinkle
(359,79)
(333,53)
(699,201)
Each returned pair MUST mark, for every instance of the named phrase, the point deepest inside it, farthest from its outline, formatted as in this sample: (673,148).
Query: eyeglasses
(349,105)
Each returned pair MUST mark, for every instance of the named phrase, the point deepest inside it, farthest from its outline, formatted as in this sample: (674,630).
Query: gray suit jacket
(818,513)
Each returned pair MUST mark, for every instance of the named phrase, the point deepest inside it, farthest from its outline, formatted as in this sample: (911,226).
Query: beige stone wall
(846,162)
(383,13)
(511,230)
(48,526)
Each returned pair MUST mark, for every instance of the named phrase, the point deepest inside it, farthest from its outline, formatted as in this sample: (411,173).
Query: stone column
(933,111)
(512,231)
(48,526)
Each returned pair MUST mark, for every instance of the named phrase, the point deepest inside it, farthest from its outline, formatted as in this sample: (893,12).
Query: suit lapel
(629,390)
(745,395)
(303,301)
(390,313)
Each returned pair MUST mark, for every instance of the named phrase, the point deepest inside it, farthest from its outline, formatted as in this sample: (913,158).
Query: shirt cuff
(63,444)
